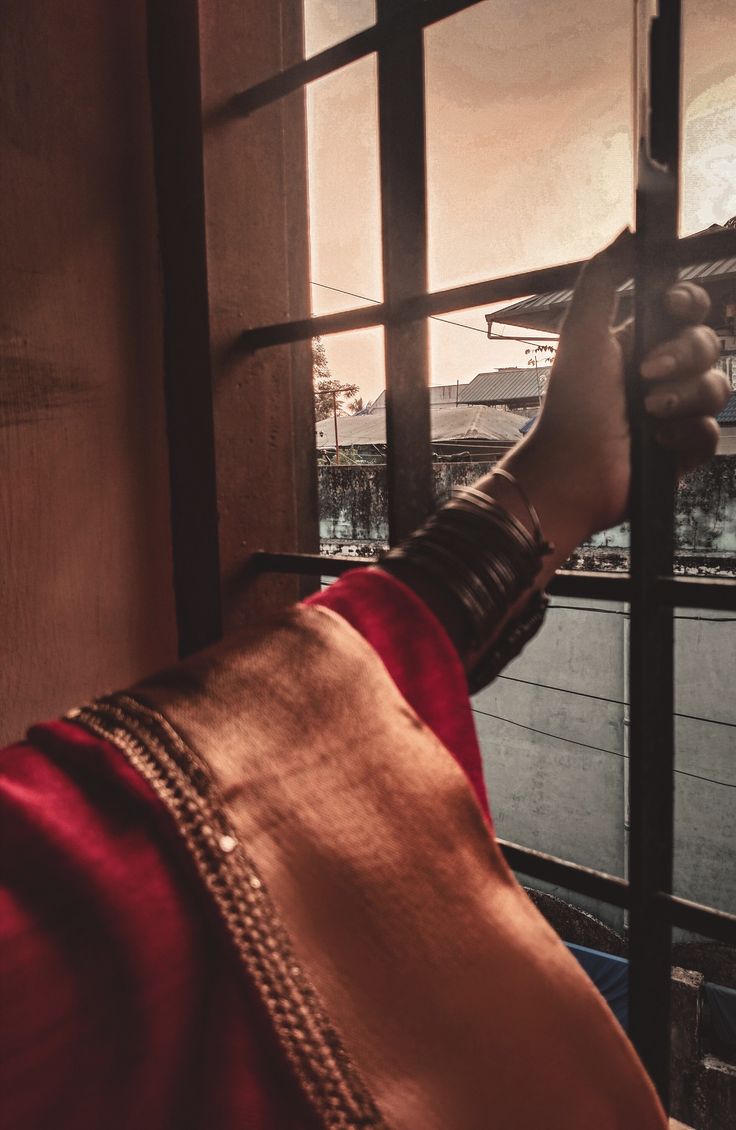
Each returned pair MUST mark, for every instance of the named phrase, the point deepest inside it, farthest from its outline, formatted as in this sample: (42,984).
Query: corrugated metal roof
(449,424)
(503,386)
(438,394)
(554,304)
(728,415)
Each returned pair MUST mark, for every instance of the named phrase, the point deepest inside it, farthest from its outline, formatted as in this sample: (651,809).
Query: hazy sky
(528,153)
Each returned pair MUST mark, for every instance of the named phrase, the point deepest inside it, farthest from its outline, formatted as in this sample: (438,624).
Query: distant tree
(536,357)
(536,354)
(329,393)
(355,405)
(320,367)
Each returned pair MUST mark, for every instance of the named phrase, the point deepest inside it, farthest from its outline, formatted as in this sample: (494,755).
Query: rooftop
(504,386)
(545,311)
(449,425)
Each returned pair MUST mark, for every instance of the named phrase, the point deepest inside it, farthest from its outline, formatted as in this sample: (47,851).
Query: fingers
(694,441)
(694,350)
(687,303)
(594,299)
(703,394)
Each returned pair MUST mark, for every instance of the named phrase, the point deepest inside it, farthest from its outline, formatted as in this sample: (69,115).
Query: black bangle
(481,555)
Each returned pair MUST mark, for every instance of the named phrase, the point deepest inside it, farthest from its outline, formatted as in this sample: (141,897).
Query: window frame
(650,587)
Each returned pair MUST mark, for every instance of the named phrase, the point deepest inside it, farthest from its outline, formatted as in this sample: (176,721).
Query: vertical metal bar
(652,545)
(404,224)
(304,444)
(173,60)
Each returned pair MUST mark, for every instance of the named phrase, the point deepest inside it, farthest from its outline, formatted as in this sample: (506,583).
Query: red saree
(289,914)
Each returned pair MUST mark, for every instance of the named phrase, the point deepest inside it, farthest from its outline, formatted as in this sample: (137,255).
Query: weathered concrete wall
(554,747)
(84,554)
(353,505)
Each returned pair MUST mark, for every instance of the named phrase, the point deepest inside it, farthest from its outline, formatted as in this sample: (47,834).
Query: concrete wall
(554,747)
(353,505)
(86,600)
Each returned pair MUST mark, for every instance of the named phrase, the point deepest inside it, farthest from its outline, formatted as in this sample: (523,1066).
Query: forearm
(559,521)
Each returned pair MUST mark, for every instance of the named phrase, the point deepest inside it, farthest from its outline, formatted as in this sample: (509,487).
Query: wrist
(560,497)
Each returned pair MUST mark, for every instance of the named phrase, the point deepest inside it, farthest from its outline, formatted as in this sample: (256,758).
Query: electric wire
(595,748)
(437,318)
(624,612)
(603,698)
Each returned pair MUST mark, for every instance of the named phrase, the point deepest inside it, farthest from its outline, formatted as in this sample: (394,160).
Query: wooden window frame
(650,588)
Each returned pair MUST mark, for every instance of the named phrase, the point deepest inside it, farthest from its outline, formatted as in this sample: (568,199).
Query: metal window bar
(652,509)
(404,226)
(651,589)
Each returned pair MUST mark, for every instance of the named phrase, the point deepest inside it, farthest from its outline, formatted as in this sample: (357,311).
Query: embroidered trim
(182,781)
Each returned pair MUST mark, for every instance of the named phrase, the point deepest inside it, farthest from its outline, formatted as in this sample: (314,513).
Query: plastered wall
(86,602)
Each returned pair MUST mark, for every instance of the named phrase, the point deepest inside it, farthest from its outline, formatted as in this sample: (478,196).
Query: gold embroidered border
(183,783)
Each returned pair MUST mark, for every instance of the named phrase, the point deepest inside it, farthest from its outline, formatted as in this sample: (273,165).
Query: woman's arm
(573,467)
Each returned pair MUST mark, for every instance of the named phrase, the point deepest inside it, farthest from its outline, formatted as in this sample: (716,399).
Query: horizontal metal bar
(678,592)
(284,333)
(334,58)
(561,277)
(417,306)
(572,876)
(698,919)
(307,564)
(680,912)
(583,585)
(718,594)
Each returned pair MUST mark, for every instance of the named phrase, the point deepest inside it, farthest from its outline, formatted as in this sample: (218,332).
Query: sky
(529,157)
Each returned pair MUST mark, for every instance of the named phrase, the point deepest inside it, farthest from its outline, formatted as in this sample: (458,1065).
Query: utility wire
(437,318)
(612,701)
(596,748)
(623,612)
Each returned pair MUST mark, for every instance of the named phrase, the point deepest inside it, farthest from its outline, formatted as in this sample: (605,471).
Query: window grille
(650,587)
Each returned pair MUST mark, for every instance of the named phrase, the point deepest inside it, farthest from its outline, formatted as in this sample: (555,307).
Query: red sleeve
(419,657)
(121,1001)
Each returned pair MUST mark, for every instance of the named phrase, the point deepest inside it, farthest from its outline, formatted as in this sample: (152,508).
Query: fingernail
(661,404)
(679,301)
(660,366)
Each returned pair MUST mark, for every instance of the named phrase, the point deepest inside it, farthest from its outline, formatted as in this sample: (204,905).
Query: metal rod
(406,17)
(677,592)
(696,918)
(694,249)
(651,734)
(173,60)
(404,227)
(551,869)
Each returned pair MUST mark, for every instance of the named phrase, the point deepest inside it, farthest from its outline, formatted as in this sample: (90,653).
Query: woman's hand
(575,462)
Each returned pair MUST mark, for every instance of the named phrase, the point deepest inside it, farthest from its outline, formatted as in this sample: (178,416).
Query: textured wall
(84,552)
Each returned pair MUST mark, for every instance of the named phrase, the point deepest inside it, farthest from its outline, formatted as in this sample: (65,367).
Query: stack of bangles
(484,558)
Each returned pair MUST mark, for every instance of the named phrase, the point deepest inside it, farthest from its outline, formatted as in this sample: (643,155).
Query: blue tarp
(610,975)
(721,1005)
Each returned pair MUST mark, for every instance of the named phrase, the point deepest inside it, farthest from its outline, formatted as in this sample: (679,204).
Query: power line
(596,748)
(437,318)
(612,701)
(546,734)
(623,612)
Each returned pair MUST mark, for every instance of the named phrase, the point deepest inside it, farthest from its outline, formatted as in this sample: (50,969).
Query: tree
(535,358)
(330,395)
